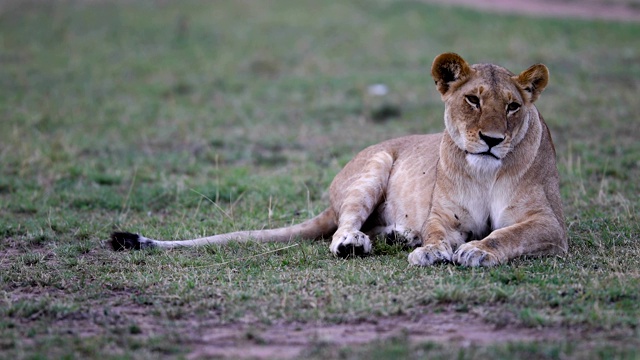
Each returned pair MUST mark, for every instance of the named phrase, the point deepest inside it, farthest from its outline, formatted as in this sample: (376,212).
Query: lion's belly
(407,200)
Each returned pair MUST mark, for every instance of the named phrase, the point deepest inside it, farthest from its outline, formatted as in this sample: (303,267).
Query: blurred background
(186,118)
(183,92)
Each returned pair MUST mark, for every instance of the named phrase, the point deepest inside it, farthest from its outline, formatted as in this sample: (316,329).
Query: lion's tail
(320,226)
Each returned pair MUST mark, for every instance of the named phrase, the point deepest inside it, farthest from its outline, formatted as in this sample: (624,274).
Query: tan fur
(483,192)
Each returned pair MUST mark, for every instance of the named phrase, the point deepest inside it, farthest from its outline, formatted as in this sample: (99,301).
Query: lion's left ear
(533,81)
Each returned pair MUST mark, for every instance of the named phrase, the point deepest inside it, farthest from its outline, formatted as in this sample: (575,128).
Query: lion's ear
(448,69)
(533,81)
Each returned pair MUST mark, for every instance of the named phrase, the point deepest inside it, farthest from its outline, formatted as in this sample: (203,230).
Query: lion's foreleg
(360,199)
(440,239)
(536,236)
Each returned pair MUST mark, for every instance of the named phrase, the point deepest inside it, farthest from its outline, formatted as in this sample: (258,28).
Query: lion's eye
(513,107)
(473,100)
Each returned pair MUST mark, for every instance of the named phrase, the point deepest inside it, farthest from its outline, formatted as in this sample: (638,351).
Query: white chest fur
(484,205)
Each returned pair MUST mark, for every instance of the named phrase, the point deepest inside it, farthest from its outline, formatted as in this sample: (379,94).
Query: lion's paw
(470,254)
(409,239)
(412,239)
(430,254)
(348,244)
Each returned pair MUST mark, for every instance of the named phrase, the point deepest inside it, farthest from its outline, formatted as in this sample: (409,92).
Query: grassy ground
(180,119)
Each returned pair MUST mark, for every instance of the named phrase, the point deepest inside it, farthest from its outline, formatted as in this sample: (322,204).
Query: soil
(252,339)
(291,340)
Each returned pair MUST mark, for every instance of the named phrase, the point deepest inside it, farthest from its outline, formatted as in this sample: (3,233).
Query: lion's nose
(491,141)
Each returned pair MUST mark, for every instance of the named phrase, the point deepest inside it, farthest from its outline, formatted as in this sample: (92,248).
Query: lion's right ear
(448,69)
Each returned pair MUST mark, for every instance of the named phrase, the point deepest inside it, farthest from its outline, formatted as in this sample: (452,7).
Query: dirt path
(291,340)
(616,10)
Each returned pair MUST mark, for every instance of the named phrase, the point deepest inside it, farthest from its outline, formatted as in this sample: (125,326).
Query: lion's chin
(485,162)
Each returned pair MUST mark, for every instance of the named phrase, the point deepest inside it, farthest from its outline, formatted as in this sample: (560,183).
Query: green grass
(180,119)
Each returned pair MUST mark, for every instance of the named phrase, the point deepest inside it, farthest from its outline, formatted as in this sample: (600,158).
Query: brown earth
(291,340)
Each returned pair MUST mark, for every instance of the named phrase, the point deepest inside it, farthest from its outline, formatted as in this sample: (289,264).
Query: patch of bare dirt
(287,341)
(617,10)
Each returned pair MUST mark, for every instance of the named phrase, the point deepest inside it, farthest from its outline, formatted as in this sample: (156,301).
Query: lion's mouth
(485,153)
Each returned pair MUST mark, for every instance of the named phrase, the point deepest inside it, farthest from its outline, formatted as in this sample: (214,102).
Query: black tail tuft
(125,241)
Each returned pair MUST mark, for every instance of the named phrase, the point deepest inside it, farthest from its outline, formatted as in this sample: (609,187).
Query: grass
(181,119)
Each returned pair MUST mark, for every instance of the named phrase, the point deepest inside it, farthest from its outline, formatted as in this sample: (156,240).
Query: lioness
(483,192)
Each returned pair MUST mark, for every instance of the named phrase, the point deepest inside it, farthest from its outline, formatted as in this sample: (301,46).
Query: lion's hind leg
(360,199)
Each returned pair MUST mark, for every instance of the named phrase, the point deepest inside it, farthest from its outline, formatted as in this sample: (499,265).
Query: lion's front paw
(430,254)
(353,243)
(470,254)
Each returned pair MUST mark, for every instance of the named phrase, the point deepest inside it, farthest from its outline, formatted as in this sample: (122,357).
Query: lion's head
(487,108)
